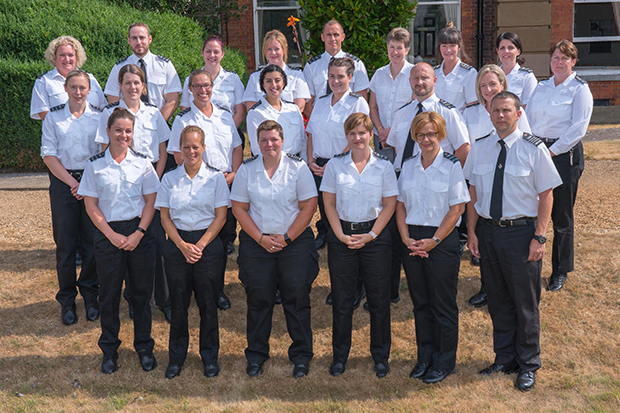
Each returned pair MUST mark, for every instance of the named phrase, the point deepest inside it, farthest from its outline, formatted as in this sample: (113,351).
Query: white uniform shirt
(221,135)
(529,171)
(150,128)
(316,73)
(479,122)
(326,123)
(192,201)
(561,112)
(391,93)
(49,91)
(456,129)
(161,76)
(70,139)
(289,117)
(274,203)
(522,82)
(458,87)
(296,86)
(359,197)
(429,193)
(227,91)
(119,187)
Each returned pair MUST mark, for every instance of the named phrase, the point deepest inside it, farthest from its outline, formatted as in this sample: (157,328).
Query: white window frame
(257,41)
(595,38)
(435,3)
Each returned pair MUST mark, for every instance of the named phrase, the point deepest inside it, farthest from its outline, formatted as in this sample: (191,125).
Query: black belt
(321,161)
(549,140)
(357,226)
(76,173)
(183,232)
(518,222)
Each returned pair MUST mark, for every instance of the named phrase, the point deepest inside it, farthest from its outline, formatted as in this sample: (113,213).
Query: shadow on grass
(22,261)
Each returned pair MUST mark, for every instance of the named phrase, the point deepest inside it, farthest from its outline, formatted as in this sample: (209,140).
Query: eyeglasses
(206,86)
(430,135)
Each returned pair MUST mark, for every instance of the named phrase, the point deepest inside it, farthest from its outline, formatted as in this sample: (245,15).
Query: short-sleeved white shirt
(192,201)
(326,123)
(150,129)
(316,73)
(391,93)
(479,122)
(49,91)
(274,203)
(429,193)
(119,187)
(70,139)
(289,117)
(359,196)
(221,135)
(528,172)
(522,82)
(161,76)
(458,87)
(296,86)
(227,91)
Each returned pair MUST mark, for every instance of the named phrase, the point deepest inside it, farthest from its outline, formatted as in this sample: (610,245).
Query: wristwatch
(437,240)
(540,238)
(287,239)
(141,230)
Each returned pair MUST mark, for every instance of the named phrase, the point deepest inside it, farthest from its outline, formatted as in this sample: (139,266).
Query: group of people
(436,157)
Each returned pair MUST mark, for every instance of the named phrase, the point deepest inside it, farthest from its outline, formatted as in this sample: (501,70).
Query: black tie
(328,89)
(498,184)
(143,97)
(410,143)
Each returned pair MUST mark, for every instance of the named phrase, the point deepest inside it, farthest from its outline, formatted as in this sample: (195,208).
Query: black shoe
(475,261)
(230,248)
(167,310)
(68,315)
(254,369)
(92,311)
(78,259)
(300,370)
(395,300)
(366,306)
(278,300)
(148,362)
(336,369)
(478,300)
(556,282)
(382,369)
(419,370)
(329,300)
(525,380)
(212,370)
(173,370)
(108,365)
(435,375)
(361,294)
(130,307)
(223,303)
(319,241)
(496,368)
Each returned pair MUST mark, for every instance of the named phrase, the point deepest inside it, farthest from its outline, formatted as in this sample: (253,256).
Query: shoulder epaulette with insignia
(122,60)
(450,157)
(98,156)
(111,105)
(59,107)
(257,104)
(295,68)
(411,157)
(405,105)
(184,111)
(287,101)
(42,74)
(466,66)
(149,104)
(525,69)
(473,104)
(95,108)
(437,67)
(534,140)
(165,59)
(257,70)
(352,57)
(355,95)
(447,104)
(340,155)
(378,155)
(172,169)
(484,137)
(213,168)
(326,95)
(314,59)
(580,80)
(250,159)
(141,155)
(222,108)
(227,71)
(294,157)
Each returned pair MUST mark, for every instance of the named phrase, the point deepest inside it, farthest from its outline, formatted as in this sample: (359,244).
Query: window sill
(598,74)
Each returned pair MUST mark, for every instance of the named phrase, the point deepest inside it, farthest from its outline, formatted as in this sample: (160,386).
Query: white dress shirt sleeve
(580,119)
(239,191)
(186,97)
(49,140)
(175,136)
(222,193)
(150,184)
(328,184)
(458,192)
(390,184)
(88,185)
(163,195)
(306,188)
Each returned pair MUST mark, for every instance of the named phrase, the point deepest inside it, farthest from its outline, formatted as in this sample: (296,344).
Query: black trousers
(397,258)
(321,225)
(227,234)
(372,262)
(570,166)
(139,266)
(203,278)
(513,292)
(432,284)
(73,231)
(292,271)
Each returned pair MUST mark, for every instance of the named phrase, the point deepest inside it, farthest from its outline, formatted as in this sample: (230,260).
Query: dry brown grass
(45,366)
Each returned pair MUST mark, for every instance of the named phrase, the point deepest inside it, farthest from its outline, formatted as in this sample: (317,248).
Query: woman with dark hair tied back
(455,79)
(521,80)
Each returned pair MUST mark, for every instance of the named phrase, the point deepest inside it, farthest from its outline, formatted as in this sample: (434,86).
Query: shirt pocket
(373,189)
(483,177)
(561,107)
(204,199)
(516,179)
(108,185)
(133,181)
(345,187)
(439,193)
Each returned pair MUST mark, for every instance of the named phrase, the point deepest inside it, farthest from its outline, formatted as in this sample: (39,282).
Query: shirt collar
(402,69)
(128,158)
(201,172)
(348,159)
(510,139)
(458,63)
(428,102)
(54,72)
(436,163)
(198,113)
(565,82)
(342,98)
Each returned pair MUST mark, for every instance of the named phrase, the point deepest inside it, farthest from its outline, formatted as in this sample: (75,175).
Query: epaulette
(257,71)
(437,67)
(534,140)
(405,105)
(59,107)
(314,59)
(525,69)
(288,101)
(250,159)
(141,155)
(257,104)
(412,157)
(447,104)
(352,57)
(324,96)
(171,169)
(99,155)
(222,108)
(473,104)
(450,157)
(111,105)
(42,74)
(340,155)
(355,95)
(484,137)
(227,71)
(213,168)
(466,66)
(294,157)
(183,112)
(165,59)
(122,60)
(295,68)
(378,155)
(580,80)
(149,104)
(95,108)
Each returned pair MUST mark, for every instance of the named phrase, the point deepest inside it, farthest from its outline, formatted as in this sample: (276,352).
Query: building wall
(606,90)
(241,33)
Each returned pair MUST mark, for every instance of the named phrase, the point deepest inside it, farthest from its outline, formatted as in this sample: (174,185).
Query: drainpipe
(480,34)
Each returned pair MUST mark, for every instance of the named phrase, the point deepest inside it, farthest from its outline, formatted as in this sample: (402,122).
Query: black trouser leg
(162,295)
(397,258)
(321,224)
(225,235)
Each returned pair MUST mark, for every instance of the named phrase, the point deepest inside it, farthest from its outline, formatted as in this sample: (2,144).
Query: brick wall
(469,29)
(561,20)
(606,90)
(241,34)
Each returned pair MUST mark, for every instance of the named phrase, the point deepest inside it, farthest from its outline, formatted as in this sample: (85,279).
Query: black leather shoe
(254,369)
(130,307)
(300,370)
(336,369)
(496,368)
(329,300)
(92,311)
(278,300)
(108,365)
(435,375)
(395,300)
(478,300)
(173,370)
(319,241)
(223,303)
(419,370)
(382,369)
(230,248)
(68,315)
(361,294)
(212,370)
(366,306)
(78,259)
(475,261)
(556,282)
(148,362)
(525,380)
(167,310)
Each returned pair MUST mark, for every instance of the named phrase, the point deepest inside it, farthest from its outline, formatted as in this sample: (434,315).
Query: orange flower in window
(291,21)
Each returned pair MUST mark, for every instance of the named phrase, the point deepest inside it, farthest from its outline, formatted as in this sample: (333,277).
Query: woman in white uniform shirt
(275,51)
(359,190)
(432,198)
(193,200)
(521,80)
(119,187)
(67,142)
(64,54)
(274,199)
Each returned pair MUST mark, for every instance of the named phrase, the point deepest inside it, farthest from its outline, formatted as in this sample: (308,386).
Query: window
(432,16)
(597,32)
